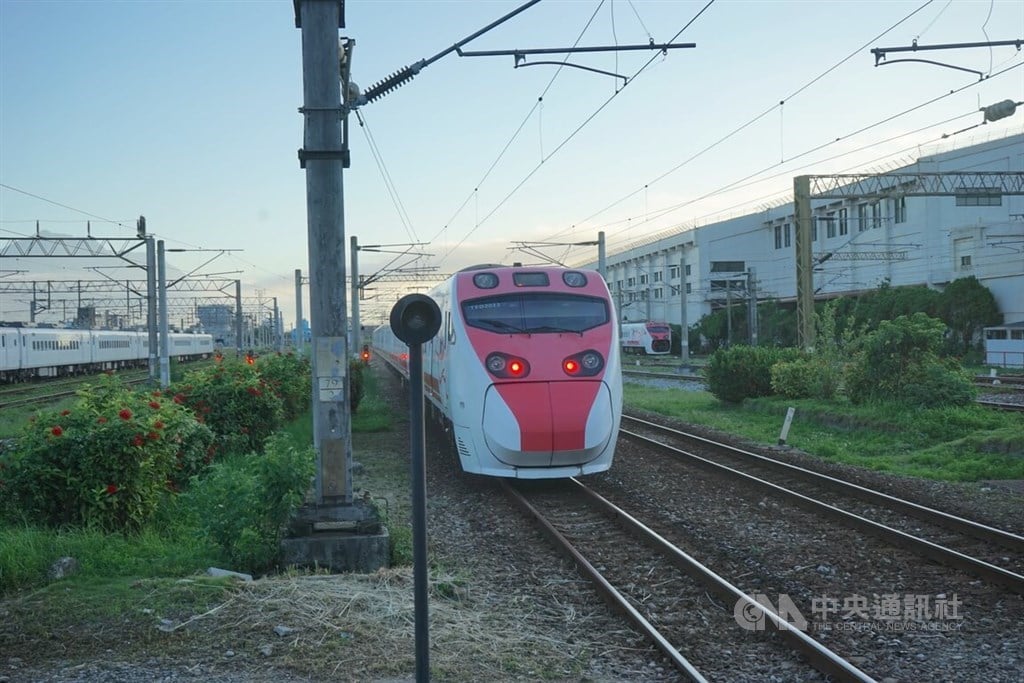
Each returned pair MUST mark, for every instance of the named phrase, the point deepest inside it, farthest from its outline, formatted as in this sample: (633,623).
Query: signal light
(584,364)
(506,366)
(250,359)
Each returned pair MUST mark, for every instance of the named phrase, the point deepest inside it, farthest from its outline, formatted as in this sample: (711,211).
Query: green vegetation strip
(968,443)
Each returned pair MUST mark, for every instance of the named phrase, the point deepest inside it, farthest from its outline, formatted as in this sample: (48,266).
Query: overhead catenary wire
(389,183)
(664,211)
(750,122)
(571,135)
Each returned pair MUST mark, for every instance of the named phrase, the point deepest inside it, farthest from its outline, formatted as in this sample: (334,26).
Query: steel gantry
(875,186)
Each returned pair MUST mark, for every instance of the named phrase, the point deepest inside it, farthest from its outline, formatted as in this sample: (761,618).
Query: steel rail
(951,558)
(610,594)
(922,512)
(821,658)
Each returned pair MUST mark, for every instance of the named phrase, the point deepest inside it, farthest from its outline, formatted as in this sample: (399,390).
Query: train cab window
(536,313)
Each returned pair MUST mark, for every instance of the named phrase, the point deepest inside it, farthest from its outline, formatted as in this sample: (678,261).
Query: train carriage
(525,370)
(650,338)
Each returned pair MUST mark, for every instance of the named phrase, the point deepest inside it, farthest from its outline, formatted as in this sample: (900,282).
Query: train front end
(535,389)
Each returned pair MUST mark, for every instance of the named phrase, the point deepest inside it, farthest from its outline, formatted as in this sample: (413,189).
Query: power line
(661,212)
(572,135)
(389,184)
(748,123)
(63,206)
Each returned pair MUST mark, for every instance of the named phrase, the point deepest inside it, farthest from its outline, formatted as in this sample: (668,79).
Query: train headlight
(485,280)
(496,363)
(506,366)
(574,278)
(584,364)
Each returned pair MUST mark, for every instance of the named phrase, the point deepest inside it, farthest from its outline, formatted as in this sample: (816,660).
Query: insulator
(999,110)
(390,83)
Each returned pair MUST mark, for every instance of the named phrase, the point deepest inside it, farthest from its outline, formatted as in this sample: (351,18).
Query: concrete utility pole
(277,327)
(752,305)
(238,318)
(299,341)
(684,342)
(165,356)
(151,306)
(354,245)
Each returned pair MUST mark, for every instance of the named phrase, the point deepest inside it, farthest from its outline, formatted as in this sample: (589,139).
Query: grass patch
(951,444)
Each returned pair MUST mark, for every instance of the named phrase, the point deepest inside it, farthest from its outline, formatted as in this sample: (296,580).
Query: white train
(651,338)
(525,370)
(31,352)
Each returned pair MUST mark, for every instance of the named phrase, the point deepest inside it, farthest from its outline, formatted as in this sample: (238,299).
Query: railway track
(994,555)
(662,590)
(15,399)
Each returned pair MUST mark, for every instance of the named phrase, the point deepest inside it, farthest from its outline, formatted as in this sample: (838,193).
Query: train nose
(540,424)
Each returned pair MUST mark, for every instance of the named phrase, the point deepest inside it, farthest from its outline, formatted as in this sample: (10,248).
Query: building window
(899,210)
(630,281)
(844,228)
(1016,334)
(658,293)
(830,219)
(814,231)
(778,237)
(687,271)
(618,285)
(643,279)
(673,272)
(657,276)
(862,217)
(687,287)
(876,215)
(785,234)
(982,196)
(965,262)
(728,266)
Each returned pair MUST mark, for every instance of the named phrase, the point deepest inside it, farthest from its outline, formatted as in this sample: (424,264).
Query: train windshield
(536,313)
(658,329)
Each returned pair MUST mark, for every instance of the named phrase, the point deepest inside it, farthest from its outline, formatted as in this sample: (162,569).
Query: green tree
(968,306)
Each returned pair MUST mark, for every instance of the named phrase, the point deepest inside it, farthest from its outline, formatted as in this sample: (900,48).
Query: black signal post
(415,319)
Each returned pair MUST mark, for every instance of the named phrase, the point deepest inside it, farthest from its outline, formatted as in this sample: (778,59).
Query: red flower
(111,489)
(157,393)
(245,430)
(101,420)
(154,405)
(137,440)
(179,398)
(153,436)
(57,431)
(158,424)
(254,391)
(125,414)
(65,412)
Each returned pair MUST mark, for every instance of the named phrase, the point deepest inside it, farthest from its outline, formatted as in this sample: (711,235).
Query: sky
(186,112)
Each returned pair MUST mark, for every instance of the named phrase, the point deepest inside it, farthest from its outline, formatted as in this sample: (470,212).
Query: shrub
(355,386)
(235,402)
(288,376)
(741,372)
(244,503)
(937,384)
(805,378)
(899,361)
(107,460)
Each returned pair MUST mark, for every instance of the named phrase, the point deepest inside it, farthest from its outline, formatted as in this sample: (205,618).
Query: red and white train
(651,338)
(31,352)
(525,370)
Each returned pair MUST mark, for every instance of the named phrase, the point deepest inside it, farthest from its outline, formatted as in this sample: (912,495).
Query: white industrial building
(857,245)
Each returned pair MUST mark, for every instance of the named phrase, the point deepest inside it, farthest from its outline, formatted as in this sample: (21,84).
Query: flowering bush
(235,402)
(107,460)
(288,376)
